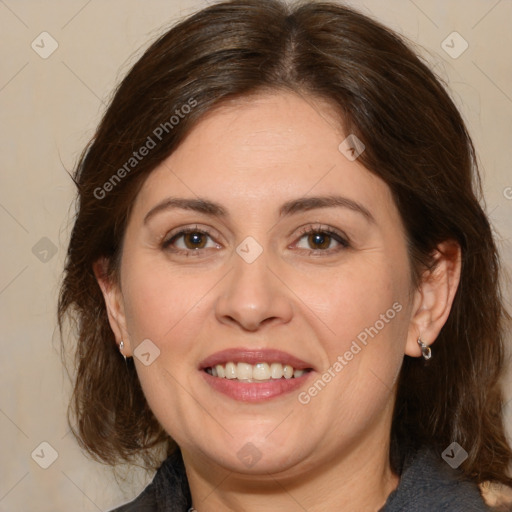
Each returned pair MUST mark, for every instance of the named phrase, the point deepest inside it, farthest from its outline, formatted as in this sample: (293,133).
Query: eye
(187,240)
(321,240)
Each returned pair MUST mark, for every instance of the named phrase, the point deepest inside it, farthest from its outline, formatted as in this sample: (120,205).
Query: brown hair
(416,141)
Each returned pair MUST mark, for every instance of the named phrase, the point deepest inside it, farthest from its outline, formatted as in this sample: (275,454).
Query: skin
(251,157)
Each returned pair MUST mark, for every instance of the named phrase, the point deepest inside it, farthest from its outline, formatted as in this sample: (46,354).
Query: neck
(356,478)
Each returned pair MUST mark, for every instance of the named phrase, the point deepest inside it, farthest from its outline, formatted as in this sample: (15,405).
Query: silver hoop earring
(121,347)
(425,349)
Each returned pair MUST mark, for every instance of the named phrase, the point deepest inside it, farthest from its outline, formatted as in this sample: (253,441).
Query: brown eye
(322,240)
(190,240)
(319,241)
(195,240)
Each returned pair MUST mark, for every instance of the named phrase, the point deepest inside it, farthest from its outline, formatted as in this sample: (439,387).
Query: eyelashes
(192,239)
(324,237)
(312,239)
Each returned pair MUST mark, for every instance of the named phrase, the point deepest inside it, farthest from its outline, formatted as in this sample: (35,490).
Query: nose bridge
(251,294)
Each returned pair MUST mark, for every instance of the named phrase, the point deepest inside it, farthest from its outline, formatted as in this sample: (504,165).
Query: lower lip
(255,391)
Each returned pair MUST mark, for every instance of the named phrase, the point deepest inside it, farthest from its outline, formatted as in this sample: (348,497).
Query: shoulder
(168,491)
(498,496)
(428,483)
(145,502)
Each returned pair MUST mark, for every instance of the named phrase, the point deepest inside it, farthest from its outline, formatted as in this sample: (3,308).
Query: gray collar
(427,484)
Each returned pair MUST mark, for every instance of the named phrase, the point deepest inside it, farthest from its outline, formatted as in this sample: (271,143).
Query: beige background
(49,110)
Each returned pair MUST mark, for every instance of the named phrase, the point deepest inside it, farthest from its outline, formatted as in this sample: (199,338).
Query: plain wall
(49,110)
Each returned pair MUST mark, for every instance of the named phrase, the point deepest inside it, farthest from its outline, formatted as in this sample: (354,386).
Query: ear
(434,297)
(114,304)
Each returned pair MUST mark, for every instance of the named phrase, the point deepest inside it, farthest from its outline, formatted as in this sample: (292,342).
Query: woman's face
(289,246)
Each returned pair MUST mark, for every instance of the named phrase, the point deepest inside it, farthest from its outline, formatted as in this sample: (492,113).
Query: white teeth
(261,371)
(231,371)
(244,371)
(256,372)
(288,371)
(276,370)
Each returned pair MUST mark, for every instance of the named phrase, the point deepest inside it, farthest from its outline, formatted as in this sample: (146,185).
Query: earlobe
(434,298)
(113,303)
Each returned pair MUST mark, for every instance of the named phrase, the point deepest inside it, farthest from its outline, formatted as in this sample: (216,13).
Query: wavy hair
(416,141)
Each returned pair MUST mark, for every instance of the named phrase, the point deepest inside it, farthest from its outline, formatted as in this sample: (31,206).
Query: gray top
(427,484)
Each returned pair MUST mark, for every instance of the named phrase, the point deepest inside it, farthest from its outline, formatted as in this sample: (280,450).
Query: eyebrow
(289,208)
(197,205)
(310,203)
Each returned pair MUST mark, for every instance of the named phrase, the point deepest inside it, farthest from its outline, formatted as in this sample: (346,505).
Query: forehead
(263,149)
(265,129)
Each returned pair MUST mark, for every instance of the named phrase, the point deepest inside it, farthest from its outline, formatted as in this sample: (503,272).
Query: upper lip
(253,356)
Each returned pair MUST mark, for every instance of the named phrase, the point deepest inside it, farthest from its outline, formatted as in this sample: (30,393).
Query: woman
(278,227)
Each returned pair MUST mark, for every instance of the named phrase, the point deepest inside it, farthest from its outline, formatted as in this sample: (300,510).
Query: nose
(252,296)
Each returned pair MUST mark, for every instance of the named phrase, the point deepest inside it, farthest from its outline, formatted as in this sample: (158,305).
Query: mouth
(249,375)
(259,372)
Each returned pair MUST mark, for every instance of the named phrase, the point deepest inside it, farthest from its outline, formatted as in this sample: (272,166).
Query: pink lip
(251,356)
(255,391)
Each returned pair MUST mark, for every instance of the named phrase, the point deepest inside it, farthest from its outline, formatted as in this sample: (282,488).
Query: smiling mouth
(259,372)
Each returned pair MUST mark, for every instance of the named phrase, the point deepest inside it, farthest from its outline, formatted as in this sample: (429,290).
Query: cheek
(369,319)
(159,302)
(365,308)
(353,297)
(170,309)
